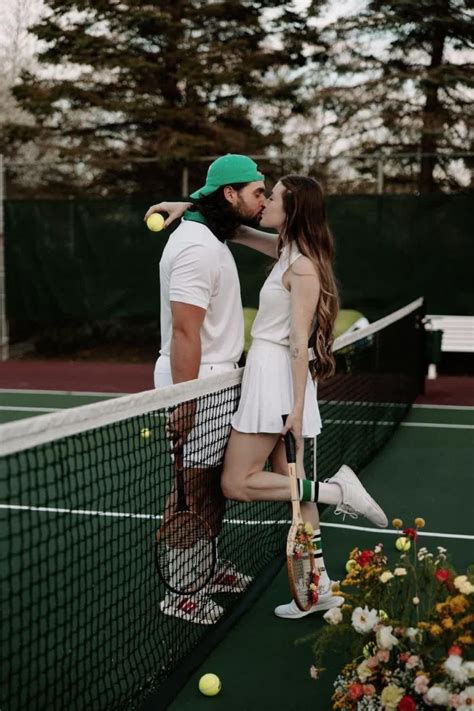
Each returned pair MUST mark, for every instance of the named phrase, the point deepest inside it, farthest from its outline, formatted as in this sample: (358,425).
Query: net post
(4,337)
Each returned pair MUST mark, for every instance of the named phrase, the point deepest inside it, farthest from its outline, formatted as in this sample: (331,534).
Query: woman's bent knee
(233,489)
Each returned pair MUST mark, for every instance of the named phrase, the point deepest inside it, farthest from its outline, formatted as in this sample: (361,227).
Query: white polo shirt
(197,269)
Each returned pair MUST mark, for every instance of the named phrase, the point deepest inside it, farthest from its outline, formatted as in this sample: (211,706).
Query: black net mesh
(82,624)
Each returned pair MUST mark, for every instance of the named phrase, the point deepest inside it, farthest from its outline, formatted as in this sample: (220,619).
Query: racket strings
(185,553)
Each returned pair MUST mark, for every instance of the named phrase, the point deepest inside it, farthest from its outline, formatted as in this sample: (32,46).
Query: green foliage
(175,79)
(399,78)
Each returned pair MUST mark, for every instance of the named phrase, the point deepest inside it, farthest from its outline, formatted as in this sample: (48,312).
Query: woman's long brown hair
(306,226)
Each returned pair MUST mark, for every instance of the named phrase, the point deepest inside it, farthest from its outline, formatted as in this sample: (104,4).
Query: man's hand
(180,423)
(175,210)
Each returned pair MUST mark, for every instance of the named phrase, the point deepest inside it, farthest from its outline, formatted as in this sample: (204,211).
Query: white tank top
(272,322)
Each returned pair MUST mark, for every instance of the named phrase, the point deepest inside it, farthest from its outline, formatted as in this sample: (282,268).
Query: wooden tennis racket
(302,571)
(185,548)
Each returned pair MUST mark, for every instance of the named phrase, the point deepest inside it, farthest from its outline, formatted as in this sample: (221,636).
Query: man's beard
(247,220)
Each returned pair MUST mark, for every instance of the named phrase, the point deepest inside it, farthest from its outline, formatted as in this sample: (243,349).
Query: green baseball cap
(228,169)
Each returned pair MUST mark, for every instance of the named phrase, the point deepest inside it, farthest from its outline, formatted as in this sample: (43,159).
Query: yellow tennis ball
(403,544)
(155,222)
(210,685)
(145,433)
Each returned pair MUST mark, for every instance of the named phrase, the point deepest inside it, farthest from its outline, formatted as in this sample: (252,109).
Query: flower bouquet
(408,628)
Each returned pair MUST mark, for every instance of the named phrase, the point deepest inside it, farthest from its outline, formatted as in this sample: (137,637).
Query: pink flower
(413,661)
(404,656)
(454,701)
(383,655)
(313,672)
(421,684)
(455,650)
(372,662)
(369,689)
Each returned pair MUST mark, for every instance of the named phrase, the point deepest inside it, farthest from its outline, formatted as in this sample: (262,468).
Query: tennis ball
(155,222)
(145,433)
(403,544)
(210,685)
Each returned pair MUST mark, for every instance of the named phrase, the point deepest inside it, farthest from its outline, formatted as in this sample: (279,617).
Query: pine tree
(400,78)
(124,81)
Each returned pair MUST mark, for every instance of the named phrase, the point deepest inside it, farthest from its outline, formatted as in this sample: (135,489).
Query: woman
(298,307)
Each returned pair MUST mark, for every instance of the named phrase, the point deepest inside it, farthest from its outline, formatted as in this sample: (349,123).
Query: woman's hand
(294,424)
(175,210)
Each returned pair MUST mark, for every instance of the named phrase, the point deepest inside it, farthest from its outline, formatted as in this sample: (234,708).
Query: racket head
(301,571)
(185,553)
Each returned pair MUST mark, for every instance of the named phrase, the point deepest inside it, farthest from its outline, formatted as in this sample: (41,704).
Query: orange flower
(436,630)
(447,623)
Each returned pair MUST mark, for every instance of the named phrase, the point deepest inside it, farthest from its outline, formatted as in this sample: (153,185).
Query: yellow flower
(436,630)
(447,623)
(386,576)
(308,529)
(397,523)
(420,522)
(458,604)
(391,696)
(465,621)
(465,639)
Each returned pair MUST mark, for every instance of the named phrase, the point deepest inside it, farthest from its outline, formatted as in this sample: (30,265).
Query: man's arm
(256,239)
(185,349)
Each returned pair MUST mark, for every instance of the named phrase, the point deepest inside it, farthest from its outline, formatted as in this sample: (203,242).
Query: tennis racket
(185,548)
(302,572)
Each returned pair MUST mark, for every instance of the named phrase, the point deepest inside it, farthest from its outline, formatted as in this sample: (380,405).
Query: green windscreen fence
(77,261)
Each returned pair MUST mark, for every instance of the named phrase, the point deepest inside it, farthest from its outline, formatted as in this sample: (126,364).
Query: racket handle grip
(290,444)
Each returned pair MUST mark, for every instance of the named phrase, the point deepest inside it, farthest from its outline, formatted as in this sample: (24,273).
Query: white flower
(386,576)
(456,669)
(442,550)
(364,620)
(461,582)
(400,571)
(385,638)
(414,634)
(378,548)
(422,552)
(364,671)
(438,695)
(470,668)
(467,699)
(416,600)
(333,616)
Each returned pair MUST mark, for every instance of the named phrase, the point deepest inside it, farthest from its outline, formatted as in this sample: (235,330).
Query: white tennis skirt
(267,393)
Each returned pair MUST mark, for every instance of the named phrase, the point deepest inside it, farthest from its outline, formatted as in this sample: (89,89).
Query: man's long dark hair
(221,217)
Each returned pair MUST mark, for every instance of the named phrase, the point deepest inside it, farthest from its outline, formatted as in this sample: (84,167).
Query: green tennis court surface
(425,470)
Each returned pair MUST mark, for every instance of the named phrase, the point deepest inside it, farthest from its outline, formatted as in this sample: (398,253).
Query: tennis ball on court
(403,544)
(155,222)
(210,685)
(145,433)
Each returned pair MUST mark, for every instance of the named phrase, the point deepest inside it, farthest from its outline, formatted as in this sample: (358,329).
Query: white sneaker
(228,579)
(326,601)
(199,608)
(355,499)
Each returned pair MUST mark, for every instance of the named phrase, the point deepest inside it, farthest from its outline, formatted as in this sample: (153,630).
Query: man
(202,334)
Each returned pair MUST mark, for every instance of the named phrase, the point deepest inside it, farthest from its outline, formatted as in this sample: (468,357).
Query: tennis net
(82,493)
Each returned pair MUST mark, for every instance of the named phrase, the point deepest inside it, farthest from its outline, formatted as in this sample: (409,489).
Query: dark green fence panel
(78,260)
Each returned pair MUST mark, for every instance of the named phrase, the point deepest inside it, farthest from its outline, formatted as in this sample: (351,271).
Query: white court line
(13,408)
(445,407)
(245,522)
(387,423)
(79,393)
(437,424)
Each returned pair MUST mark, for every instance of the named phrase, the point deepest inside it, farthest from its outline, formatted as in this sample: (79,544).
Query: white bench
(458,335)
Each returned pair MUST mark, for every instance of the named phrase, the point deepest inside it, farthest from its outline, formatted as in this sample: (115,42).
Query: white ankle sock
(329,493)
(324,580)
